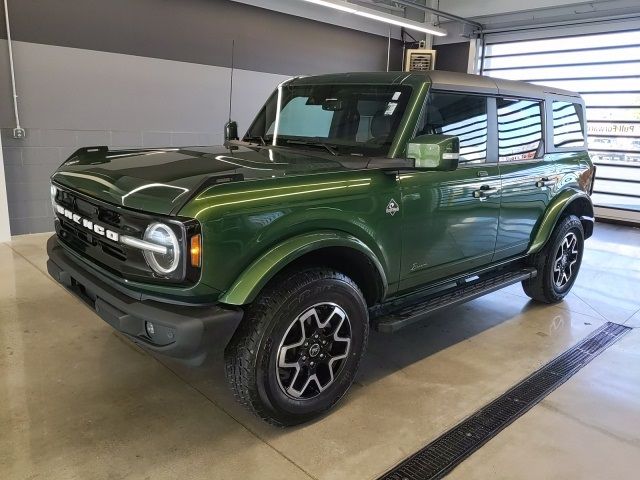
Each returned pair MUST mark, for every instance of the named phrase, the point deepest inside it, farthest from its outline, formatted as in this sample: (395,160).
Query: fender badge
(392,207)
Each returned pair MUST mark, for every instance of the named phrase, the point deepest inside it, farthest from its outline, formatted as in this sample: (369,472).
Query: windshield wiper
(312,143)
(255,138)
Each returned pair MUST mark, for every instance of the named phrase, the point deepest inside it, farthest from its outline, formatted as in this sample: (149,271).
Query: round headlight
(162,263)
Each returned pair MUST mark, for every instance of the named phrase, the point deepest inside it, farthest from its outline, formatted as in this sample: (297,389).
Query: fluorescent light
(379,16)
(342,6)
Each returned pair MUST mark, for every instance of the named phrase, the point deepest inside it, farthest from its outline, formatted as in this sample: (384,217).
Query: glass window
(350,119)
(519,129)
(464,116)
(568,125)
(302,120)
(604,68)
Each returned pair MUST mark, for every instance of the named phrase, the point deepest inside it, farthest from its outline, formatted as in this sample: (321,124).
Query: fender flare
(247,286)
(553,213)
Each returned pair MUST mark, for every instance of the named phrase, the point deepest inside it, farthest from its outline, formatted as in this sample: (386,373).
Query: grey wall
(147,73)
(73,97)
(198,31)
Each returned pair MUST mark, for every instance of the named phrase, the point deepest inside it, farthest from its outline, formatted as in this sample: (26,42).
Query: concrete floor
(78,401)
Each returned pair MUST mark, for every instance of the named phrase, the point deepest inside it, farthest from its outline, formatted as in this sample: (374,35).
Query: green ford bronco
(354,201)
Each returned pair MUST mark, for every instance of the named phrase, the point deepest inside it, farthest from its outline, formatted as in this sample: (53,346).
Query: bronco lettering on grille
(88,224)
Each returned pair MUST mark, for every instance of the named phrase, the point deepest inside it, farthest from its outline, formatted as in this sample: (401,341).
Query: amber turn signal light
(196,250)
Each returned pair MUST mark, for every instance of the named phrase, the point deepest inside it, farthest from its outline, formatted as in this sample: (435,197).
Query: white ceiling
(469,9)
(491,13)
(323,14)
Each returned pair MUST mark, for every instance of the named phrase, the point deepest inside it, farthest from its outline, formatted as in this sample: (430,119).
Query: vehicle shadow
(390,353)
(387,354)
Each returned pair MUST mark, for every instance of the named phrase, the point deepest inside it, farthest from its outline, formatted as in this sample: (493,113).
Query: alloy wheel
(565,259)
(313,351)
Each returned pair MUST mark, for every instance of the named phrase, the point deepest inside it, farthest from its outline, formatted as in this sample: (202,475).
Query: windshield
(340,119)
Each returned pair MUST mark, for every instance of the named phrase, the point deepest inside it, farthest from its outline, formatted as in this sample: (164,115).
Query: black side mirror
(230,131)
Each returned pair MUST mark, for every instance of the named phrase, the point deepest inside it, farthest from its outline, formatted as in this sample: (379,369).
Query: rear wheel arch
(568,202)
(582,208)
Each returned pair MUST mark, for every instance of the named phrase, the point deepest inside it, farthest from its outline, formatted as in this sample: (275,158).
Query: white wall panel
(68,88)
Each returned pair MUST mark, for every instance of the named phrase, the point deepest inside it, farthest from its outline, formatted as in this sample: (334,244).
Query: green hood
(161,180)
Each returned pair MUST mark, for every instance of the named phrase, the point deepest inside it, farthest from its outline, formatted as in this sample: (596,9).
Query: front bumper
(184,332)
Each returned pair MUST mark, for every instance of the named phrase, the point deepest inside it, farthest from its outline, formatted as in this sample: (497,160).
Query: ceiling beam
(435,11)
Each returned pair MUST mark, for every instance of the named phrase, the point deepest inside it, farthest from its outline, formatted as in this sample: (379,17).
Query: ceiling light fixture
(379,16)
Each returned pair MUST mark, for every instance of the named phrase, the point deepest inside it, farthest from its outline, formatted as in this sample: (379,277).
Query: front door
(450,219)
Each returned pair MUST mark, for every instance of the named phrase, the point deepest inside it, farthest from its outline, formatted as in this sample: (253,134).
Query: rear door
(528,176)
(450,219)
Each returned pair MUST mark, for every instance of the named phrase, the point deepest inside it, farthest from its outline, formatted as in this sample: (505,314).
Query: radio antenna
(233,46)
(231,128)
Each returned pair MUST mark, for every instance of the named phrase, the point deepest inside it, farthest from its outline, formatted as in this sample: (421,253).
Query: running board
(410,313)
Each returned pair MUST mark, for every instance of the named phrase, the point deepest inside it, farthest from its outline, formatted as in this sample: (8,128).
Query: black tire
(555,278)
(272,322)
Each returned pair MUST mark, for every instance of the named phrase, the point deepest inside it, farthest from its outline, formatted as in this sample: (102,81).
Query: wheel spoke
(336,332)
(312,378)
(336,311)
(312,313)
(570,266)
(334,360)
(292,391)
(282,362)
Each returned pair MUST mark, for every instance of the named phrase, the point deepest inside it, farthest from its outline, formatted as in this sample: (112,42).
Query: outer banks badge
(392,207)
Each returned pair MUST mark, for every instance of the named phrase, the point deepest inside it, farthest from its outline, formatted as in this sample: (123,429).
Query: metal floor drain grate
(449,450)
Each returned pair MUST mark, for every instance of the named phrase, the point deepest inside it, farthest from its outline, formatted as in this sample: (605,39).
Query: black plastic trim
(406,314)
(193,329)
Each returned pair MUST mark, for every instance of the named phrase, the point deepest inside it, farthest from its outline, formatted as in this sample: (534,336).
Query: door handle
(484,191)
(545,182)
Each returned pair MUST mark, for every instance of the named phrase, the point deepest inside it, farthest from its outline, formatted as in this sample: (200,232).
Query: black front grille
(115,257)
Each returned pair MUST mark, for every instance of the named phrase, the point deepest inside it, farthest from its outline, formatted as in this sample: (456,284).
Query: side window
(519,129)
(568,125)
(462,115)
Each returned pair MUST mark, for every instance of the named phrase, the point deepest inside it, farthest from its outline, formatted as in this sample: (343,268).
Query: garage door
(605,69)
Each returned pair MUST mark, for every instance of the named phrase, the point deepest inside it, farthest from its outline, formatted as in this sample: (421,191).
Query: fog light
(148,326)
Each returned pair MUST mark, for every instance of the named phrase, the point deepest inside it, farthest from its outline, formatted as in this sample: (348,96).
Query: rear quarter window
(568,124)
